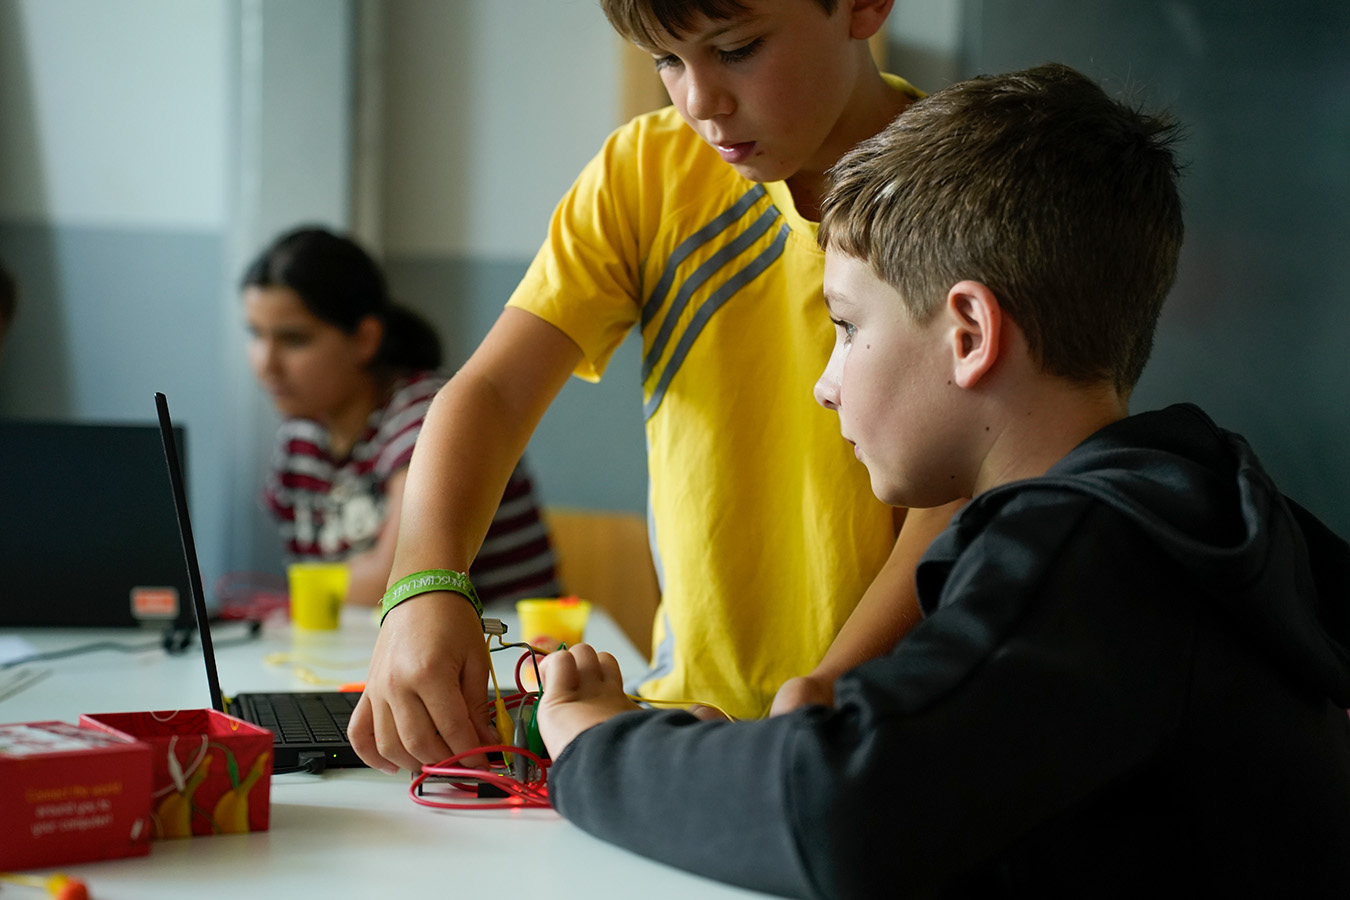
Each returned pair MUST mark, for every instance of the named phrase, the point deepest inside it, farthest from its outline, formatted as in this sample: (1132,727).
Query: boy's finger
(587,665)
(559,672)
(394,734)
(442,724)
(609,668)
(361,732)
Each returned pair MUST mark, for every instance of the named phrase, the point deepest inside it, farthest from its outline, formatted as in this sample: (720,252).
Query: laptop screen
(88,536)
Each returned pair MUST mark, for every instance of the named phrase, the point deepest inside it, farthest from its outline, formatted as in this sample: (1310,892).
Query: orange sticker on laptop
(154,602)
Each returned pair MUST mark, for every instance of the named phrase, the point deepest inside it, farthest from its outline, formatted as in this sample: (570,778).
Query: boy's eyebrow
(728,24)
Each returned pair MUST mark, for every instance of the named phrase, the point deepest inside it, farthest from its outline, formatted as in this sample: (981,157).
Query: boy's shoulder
(660,124)
(661,141)
(1162,484)
(663,176)
(1172,465)
(1166,489)
(1162,507)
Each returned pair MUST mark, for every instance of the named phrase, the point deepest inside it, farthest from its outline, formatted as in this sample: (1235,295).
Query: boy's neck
(1040,428)
(874,104)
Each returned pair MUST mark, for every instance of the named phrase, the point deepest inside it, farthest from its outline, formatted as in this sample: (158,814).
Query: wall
(150,147)
(490,111)
(1253,330)
(291,161)
(112,216)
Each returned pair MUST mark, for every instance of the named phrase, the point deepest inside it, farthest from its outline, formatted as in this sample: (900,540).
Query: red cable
(523,795)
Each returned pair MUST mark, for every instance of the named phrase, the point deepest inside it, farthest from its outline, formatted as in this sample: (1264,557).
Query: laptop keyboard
(305,718)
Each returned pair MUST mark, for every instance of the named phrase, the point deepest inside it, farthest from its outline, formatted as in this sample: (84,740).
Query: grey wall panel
(1254,329)
(590,449)
(106,318)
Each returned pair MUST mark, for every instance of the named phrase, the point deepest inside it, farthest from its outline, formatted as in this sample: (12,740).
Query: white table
(346,833)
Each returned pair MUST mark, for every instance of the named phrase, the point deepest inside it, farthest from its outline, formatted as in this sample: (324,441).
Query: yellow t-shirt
(765,529)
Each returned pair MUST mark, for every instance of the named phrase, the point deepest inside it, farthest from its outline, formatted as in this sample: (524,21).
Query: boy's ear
(976,332)
(867,16)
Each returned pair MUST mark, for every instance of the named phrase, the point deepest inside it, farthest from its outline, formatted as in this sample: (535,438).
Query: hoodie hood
(1202,497)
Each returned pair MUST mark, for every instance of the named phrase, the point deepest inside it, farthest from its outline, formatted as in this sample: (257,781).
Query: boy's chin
(762,169)
(910,497)
(891,495)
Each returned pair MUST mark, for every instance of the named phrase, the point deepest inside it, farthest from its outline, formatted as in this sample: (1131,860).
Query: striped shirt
(331,509)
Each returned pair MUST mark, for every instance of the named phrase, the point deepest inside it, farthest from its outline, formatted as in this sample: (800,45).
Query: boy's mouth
(735,153)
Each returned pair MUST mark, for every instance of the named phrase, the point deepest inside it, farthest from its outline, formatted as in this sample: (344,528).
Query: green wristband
(425,582)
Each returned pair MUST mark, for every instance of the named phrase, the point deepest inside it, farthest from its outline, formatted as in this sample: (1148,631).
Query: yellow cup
(547,623)
(317,592)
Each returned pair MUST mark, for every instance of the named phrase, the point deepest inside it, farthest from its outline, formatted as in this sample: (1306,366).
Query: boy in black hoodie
(1133,671)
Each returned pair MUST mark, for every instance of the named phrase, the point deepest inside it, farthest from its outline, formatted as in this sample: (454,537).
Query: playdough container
(548,623)
(317,592)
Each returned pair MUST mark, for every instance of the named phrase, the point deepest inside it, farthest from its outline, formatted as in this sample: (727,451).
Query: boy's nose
(705,97)
(826,390)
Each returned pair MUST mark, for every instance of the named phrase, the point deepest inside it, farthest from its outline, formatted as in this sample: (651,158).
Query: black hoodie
(1131,678)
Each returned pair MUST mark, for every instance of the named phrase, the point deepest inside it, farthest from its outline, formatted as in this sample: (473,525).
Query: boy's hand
(806,690)
(581,688)
(426,694)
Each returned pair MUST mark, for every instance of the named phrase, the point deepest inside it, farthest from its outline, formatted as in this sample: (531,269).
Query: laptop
(309,728)
(87,528)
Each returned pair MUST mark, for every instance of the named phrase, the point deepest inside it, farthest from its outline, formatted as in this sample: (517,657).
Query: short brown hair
(649,23)
(1038,185)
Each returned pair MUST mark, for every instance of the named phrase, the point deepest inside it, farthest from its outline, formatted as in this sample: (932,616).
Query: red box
(211,773)
(68,795)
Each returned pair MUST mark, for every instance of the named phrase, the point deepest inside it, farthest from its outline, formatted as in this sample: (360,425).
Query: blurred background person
(352,373)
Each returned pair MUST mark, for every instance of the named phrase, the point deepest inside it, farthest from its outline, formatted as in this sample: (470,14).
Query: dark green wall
(1255,328)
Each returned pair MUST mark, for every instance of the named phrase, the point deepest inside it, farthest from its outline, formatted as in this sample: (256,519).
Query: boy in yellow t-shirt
(696,225)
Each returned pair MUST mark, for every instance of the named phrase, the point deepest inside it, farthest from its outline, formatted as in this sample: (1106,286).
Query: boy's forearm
(474,434)
(890,606)
(464,457)
(708,797)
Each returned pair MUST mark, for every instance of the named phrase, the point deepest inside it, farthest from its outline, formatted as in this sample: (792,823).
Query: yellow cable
(281,658)
(505,727)
(636,699)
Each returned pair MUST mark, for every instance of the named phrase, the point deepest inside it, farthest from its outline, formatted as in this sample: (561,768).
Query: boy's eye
(741,53)
(734,55)
(848,328)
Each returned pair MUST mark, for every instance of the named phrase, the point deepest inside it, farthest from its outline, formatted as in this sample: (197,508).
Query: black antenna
(189,548)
